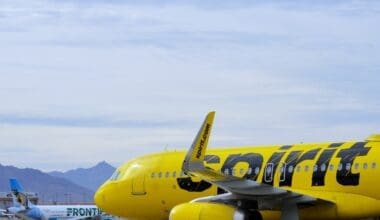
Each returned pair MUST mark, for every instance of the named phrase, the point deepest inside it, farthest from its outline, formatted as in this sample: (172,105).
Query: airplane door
(138,185)
(268,172)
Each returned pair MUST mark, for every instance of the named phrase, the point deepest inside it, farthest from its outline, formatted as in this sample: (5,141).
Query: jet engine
(206,211)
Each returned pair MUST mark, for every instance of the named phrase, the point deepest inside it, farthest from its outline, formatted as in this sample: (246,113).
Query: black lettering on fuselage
(335,145)
(69,211)
(274,160)
(81,211)
(188,184)
(89,212)
(344,176)
(293,159)
(285,147)
(320,169)
(75,212)
(253,160)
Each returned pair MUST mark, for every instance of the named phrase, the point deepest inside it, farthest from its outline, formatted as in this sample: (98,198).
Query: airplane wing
(263,196)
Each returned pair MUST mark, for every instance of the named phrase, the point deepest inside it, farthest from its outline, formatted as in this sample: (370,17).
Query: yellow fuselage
(346,174)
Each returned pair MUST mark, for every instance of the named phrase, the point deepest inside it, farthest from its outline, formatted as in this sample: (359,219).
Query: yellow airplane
(287,182)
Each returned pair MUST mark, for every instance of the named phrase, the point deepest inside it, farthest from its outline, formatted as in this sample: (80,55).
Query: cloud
(84,122)
(59,147)
(145,72)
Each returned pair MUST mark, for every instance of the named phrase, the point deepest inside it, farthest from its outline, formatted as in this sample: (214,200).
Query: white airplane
(6,214)
(23,208)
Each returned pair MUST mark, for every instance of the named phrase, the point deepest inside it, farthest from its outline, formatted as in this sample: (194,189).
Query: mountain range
(74,186)
(90,178)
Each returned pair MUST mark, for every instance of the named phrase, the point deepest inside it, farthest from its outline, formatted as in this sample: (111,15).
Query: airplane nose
(100,198)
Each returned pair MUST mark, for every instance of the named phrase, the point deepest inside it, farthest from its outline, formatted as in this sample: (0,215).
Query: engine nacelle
(206,211)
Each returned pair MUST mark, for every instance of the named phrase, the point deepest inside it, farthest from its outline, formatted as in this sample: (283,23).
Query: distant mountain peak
(102,164)
(48,187)
(91,177)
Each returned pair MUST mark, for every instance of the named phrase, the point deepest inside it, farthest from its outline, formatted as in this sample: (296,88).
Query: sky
(93,80)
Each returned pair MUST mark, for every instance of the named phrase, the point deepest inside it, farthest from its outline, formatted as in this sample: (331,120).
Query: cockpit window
(115,176)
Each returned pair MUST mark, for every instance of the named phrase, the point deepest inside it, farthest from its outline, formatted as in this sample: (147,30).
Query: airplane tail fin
(15,186)
(18,194)
(195,156)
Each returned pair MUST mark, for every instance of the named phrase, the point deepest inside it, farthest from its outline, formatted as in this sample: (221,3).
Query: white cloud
(274,73)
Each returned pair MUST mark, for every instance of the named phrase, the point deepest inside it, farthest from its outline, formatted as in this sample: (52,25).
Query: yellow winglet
(196,154)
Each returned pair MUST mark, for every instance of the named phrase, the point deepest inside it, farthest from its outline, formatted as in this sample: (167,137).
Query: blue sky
(85,81)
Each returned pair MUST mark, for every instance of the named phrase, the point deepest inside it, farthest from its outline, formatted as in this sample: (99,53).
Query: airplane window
(269,170)
(118,176)
(241,171)
(159,174)
(323,167)
(257,170)
(290,169)
(306,168)
(348,166)
(167,174)
(365,166)
(373,165)
(356,166)
(174,174)
(115,175)
(112,176)
(340,167)
(281,169)
(152,175)
(249,171)
(315,168)
(298,168)
(331,167)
